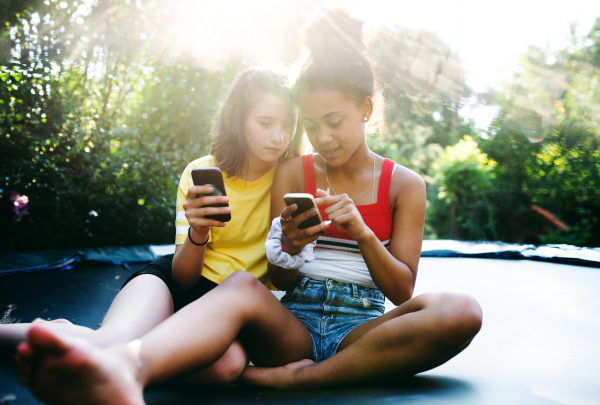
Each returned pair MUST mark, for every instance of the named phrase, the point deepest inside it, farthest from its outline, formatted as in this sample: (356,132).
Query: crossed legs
(69,370)
(422,333)
(140,306)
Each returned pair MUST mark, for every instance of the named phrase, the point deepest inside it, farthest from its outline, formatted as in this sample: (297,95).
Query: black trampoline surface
(539,344)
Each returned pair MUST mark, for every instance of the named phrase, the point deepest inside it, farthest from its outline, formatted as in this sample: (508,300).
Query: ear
(366,109)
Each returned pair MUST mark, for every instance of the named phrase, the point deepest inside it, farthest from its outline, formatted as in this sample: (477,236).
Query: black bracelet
(190,238)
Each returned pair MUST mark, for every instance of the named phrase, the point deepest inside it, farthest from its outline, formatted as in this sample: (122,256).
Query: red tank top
(378,216)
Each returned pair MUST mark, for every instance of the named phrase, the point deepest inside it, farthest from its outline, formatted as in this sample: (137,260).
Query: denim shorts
(331,309)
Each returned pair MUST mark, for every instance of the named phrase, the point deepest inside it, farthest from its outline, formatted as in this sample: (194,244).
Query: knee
(241,280)
(459,318)
(243,285)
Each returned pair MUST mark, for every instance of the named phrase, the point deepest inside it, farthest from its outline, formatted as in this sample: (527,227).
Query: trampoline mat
(539,344)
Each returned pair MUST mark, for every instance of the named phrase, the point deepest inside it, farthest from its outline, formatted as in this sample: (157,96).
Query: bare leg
(141,305)
(190,340)
(224,371)
(420,334)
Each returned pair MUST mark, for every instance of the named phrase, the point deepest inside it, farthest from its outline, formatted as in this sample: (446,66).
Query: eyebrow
(325,116)
(265,116)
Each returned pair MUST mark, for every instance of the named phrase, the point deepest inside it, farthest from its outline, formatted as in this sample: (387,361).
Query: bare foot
(59,320)
(66,370)
(275,377)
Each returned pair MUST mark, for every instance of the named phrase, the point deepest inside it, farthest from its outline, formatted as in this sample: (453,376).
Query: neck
(255,169)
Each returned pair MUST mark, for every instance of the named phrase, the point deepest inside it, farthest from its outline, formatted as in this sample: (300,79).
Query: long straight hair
(227,134)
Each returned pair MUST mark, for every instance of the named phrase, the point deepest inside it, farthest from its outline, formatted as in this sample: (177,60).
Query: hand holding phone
(304,202)
(212,177)
(301,222)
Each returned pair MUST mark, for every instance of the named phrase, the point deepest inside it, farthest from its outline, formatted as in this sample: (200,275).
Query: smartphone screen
(305,202)
(212,177)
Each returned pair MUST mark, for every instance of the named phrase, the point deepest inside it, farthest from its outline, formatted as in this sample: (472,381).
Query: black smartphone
(212,177)
(305,202)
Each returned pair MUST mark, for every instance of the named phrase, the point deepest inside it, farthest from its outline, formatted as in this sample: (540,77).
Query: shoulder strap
(383,195)
(310,185)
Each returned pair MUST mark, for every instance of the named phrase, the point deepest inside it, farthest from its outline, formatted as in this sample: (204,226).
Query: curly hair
(334,58)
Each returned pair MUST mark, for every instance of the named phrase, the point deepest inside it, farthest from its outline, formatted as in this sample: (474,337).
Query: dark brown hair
(227,134)
(334,59)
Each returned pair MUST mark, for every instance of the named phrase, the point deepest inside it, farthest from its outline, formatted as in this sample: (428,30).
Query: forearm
(393,277)
(283,279)
(189,261)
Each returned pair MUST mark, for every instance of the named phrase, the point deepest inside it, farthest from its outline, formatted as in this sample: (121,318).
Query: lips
(275,150)
(331,153)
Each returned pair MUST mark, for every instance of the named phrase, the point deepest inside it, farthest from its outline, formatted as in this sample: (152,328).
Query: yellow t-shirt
(240,245)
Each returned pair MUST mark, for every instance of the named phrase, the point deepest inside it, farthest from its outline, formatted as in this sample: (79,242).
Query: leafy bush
(96,144)
(461,208)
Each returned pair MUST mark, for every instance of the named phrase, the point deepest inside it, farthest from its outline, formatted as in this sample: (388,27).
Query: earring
(365,119)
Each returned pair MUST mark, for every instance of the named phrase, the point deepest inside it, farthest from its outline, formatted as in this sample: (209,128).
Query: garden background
(103,103)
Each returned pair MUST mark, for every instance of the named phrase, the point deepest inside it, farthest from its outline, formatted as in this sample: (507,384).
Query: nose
(278,134)
(323,136)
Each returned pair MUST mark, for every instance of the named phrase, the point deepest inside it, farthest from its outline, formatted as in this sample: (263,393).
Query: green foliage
(546,141)
(424,87)
(99,118)
(98,143)
(560,174)
(465,178)
(99,114)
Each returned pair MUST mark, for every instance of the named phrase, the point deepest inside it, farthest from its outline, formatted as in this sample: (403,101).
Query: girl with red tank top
(373,218)
(337,254)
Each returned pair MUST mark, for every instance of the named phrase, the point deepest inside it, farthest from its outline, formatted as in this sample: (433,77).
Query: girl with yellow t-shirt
(253,132)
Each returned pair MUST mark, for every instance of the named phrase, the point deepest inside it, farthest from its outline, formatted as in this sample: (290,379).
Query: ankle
(131,359)
(300,377)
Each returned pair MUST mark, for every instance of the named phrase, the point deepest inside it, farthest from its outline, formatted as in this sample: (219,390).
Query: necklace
(363,193)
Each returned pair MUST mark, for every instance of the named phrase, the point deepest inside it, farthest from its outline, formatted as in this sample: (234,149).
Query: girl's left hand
(343,214)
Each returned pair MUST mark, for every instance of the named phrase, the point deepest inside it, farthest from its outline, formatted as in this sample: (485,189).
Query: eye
(335,124)
(265,124)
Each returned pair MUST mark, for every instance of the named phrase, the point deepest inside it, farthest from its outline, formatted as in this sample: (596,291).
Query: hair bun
(333,31)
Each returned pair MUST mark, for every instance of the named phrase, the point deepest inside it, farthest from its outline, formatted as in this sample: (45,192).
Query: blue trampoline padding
(564,254)
(11,263)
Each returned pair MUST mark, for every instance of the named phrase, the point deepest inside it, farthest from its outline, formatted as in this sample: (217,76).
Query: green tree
(461,209)
(93,131)
(546,140)
(424,86)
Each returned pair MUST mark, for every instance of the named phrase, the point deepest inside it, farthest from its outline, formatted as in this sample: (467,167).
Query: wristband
(190,238)
(276,254)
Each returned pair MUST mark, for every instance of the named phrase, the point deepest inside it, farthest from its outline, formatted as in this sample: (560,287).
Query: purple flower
(20,203)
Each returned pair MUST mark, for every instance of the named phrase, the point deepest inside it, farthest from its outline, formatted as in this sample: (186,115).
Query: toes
(23,360)
(61,320)
(58,320)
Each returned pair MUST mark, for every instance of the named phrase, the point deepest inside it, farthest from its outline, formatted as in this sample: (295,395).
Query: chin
(271,161)
(336,161)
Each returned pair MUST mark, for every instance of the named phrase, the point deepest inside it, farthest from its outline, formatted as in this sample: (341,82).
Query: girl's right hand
(196,212)
(295,239)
